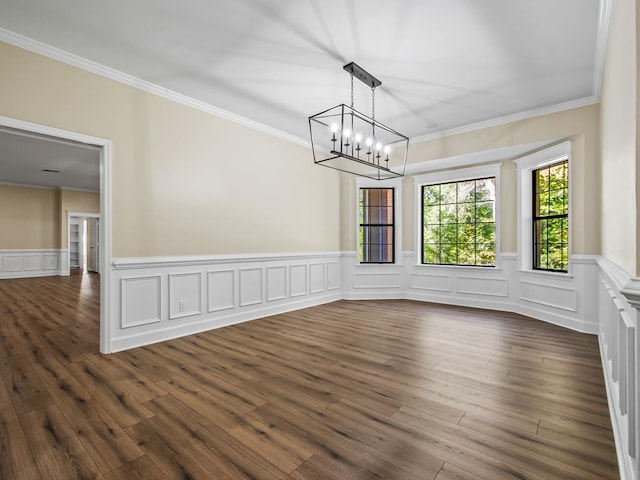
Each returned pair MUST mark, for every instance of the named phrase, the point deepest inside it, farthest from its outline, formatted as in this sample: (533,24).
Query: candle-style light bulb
(358,140)
(387,149)
(368,142)
(378,147)
(347,134)
(334,129)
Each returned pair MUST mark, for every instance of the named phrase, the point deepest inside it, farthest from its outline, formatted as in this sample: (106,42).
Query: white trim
(470,173)
(26,43)
(31,262)
(104,146)
(68,58)
(601,46)
(494,155)
(538,112)
(396,184)
(524,167)
(243,286)
(133,263)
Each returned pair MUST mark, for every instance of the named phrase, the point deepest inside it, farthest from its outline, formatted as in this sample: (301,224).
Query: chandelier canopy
(345,139)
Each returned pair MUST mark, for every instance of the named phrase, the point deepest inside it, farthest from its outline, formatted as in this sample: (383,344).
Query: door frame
(104,147)
(70,214)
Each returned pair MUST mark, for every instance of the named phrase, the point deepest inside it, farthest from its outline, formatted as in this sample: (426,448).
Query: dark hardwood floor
(349,390)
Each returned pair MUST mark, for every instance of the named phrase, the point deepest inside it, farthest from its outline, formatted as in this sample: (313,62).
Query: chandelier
(345,139)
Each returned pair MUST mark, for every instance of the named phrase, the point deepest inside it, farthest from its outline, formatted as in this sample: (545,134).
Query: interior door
(93,246)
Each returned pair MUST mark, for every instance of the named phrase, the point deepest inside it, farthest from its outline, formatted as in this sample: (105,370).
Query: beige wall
(76,201)
(29,218)
(618,138)
(580,125)
(184,182)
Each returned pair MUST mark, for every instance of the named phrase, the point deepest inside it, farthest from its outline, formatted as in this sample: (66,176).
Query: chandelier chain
(352,91)
(373,103)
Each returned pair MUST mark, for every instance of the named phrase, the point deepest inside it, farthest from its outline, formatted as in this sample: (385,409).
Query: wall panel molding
(23,263)
(185,294)
(298,284)
(250,286)
(167,298)
(141,300)
(221,289)
(619,339)
(276,283)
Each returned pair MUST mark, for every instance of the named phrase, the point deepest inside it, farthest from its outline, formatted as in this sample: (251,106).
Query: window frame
(525,166)
(535,218)
(396,185)
(448,176)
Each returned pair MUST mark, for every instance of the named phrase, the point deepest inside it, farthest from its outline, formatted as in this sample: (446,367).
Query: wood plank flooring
(349,390)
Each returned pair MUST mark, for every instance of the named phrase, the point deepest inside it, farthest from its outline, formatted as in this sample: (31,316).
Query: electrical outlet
(181,306)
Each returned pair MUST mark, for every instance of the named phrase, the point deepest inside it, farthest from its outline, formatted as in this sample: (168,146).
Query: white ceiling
(24,155)
(444,64)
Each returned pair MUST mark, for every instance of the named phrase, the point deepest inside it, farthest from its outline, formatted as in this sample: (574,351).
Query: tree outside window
(458,223)
(551,217)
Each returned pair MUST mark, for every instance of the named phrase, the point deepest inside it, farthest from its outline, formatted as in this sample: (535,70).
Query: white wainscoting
(22,263)
(162,298)
(565,300)
(619,339)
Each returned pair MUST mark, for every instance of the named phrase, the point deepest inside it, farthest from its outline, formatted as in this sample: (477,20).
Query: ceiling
(444,64)
(24,156)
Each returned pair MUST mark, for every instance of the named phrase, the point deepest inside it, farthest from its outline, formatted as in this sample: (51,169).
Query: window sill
(472,268)
(545,273)
(377,265)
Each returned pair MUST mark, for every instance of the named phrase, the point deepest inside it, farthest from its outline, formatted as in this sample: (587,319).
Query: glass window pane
(484,212)
(448,213)
(467,253)
(448,192)
(449,233)
(448,254)
(432,214)
(551,231)
(431,234)
(431,195)
(557,205)
(485,189)
(376,225)
(486,254)
(431,253)
(466,191)
(465,213)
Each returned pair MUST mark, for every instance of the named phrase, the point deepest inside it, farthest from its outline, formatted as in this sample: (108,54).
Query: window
(551,217)
(376,225)
(543,209)
(458,223)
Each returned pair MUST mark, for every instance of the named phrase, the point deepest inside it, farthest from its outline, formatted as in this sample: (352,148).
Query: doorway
(102,224)
(83,241)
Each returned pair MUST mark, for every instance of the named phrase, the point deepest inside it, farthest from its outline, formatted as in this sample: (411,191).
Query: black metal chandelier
(345,139)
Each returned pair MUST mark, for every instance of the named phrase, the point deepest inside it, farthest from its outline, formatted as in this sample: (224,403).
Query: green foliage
(551,250)
(458,223)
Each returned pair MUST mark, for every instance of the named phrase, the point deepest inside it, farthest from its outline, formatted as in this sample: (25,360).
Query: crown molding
(40,48)
(54,53)
(537,112)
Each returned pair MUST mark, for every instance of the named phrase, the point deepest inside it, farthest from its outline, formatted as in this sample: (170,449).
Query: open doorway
(98,223)
(83,241)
